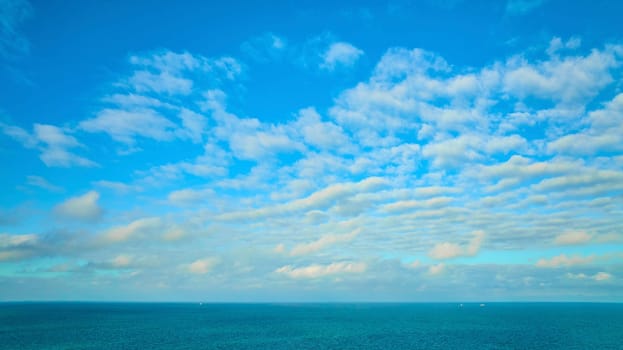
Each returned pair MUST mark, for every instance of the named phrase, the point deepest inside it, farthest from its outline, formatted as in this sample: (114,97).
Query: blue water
(310,326)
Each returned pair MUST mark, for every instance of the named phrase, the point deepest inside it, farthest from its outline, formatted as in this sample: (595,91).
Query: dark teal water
(310,326)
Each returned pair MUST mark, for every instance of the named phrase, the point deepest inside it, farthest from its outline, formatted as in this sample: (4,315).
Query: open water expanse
(311,326)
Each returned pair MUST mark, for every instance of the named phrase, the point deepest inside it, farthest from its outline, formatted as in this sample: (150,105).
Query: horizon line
(308,302)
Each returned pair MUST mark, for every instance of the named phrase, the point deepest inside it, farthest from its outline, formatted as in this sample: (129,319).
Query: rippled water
(310,326)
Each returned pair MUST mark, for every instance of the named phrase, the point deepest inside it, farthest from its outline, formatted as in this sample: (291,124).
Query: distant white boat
(482,305)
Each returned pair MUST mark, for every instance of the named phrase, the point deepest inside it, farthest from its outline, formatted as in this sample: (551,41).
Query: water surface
(310,326)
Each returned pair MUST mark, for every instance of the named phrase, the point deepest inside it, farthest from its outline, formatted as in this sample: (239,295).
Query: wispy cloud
(573,237)
(564,260)
(40,182)
(12,14)
(521,7)
(146,106)
(599,276)
(134,229)
(323,242)
(317,271)
(266,47)
(124,126)
(54,144)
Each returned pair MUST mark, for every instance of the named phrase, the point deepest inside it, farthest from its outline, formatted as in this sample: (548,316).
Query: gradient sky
(311,150)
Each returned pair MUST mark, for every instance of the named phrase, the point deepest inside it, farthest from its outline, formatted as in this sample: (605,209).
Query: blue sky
(311,151)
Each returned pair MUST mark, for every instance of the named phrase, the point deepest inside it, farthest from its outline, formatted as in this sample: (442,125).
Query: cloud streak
(323,242)
(318,271)
(564,260)
(54,144)
(12,15)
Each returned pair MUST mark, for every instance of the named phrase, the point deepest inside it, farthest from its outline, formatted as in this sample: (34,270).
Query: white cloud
(266,47)
(581,180)
(83,207)
(163,82)
(116,186)
(406,205)
(317,271)
(322,199)
(602,276)
(226,67)
(164,72)
(576,276)
(279,248)
(604,133)
(564,260)
(53,142)
(125,125)
(474,244)
(55,136)
(167,61)
(323,242)
(57,142)
(470,147)
(7,240)
(599,276)
(430,191)
(132,100)
(398,98)
(324,135)
(556,44)
(249,138)
(190,196)
(202,266)
(121,261)
(150,109)
(437,269)
(447,250)
(505,144)
(396,160)
(399,63)
(15,247)
(259,145)
(403,93)
(134,229)
(175,233)
(569,80)
(20,135)
(412,151)
(414,264)
(572,237)
(320,165)
(524,168)
(38,181)
(177,64)
(194,125)
(340,54)
(212,163)
(333,193)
